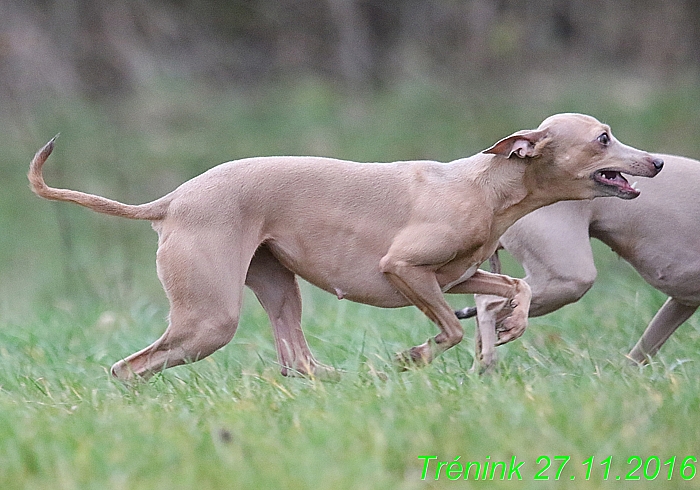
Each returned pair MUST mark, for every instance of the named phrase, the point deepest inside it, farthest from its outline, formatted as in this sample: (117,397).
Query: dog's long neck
(513,187)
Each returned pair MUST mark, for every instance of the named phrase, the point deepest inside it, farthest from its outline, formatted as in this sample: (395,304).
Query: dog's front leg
(515,291)
(420,286)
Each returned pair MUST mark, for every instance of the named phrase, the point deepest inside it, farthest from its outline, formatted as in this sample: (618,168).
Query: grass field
(79,291)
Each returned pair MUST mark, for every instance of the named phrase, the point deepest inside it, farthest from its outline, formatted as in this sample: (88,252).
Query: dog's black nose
(658,164)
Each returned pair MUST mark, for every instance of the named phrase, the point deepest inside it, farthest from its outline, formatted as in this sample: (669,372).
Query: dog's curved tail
(150,211)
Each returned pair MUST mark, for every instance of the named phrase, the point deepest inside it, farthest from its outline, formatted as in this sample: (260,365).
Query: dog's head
(579,155)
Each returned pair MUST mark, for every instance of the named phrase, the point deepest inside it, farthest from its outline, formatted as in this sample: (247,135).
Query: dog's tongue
(616,179)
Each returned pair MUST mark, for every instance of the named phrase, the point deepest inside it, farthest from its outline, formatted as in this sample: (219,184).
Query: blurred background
(147,94)
(108,48)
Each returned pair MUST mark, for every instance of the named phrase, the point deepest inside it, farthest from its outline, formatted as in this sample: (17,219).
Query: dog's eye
(604,139)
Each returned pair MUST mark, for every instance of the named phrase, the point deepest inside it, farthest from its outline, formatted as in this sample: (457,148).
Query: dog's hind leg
(671,315)
(204,284)
(277,289)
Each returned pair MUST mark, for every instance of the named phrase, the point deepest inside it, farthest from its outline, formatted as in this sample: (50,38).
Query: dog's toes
(403,360)
(484,362)
(411,358)
(122,371)
(504,338)
(486,368)
(510,329)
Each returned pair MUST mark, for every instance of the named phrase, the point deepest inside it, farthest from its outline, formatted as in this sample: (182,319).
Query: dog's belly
(360,279)
(675,274)
(355,277)
(377,294)
(360,284)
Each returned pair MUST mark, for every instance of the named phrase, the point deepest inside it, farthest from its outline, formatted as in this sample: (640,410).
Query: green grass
(79,292)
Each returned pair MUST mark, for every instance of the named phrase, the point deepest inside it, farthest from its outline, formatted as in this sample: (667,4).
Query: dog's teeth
(634,185)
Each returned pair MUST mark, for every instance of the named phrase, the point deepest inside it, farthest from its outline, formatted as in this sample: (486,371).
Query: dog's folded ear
(523,144)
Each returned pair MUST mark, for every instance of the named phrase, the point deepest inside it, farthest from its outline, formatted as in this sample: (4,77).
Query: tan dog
(388,235)
(553,245)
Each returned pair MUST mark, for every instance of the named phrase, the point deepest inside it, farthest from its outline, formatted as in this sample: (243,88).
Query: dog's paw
(511,328)
(414,357)
(484,366)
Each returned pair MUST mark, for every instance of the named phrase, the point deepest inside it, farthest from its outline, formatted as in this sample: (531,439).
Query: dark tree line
(102,47)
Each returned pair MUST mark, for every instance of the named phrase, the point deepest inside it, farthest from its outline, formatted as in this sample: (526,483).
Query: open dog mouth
(614,181)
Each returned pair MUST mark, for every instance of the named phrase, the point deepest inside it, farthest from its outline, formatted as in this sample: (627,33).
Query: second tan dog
(553,245)
(389,235)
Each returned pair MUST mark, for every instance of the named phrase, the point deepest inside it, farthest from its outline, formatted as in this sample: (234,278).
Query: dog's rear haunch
(389,235)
